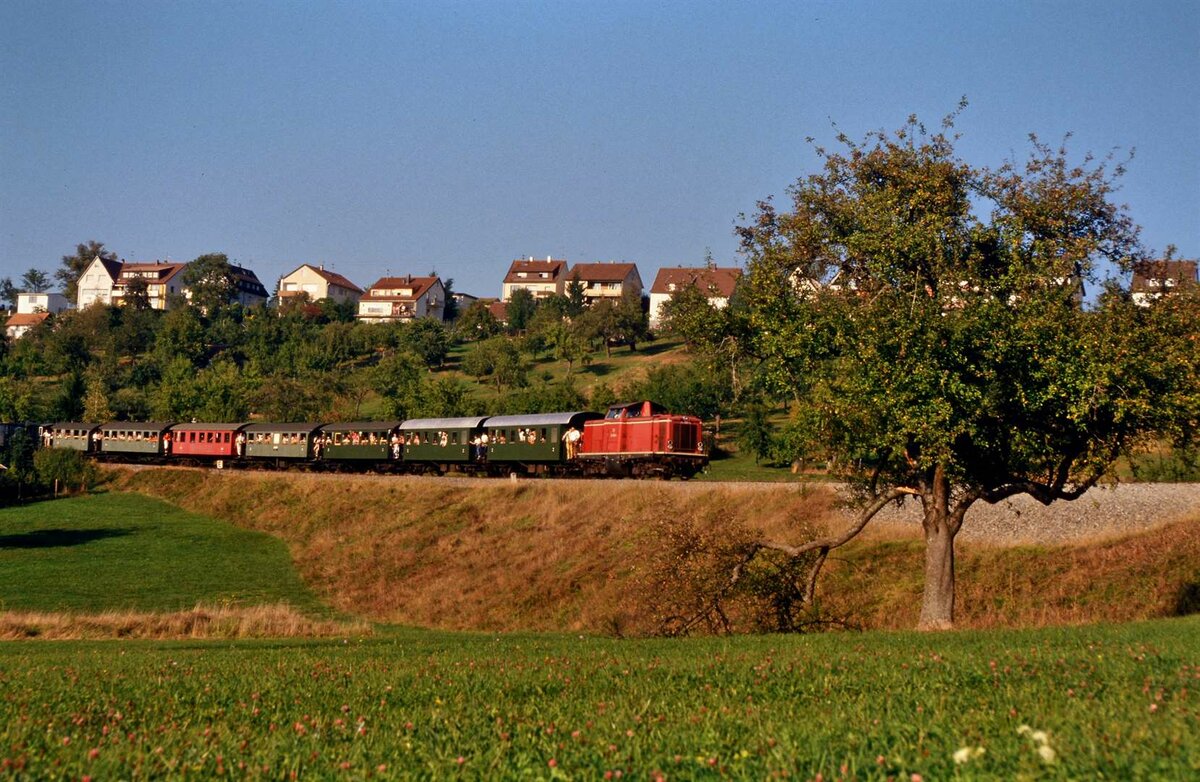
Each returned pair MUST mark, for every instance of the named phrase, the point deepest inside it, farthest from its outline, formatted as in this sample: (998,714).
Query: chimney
(322,267)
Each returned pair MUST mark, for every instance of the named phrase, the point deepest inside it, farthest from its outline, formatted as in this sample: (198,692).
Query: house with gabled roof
(391,299)
(20,323)
(606,280)
(541,278)
(164,280)
(1154,279)
(319,283)
(97,281)
(715,282)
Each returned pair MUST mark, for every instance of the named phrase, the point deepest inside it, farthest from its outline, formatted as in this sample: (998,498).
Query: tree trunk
(937,603)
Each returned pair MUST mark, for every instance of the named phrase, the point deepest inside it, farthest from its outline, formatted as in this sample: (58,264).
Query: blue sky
(396,137)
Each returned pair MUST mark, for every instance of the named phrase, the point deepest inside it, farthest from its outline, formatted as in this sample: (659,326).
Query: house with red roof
(1154,279)
(16,326)
(715,282)
(541,278)
(607,280)
(319,283)
(391,299)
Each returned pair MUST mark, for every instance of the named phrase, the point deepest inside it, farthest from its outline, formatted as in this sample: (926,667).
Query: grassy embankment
(566,555)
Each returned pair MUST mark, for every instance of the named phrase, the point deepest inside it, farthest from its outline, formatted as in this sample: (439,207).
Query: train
(630,440)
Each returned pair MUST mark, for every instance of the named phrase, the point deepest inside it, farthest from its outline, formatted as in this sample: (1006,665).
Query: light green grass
(130,552)
(1114,703)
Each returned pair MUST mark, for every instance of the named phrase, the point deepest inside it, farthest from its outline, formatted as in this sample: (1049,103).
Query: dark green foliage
(685,389)
(755,434)
(68,470)
(521,308)
(427,339)
(498,360)
(477,323)
(210,279)
(34,281)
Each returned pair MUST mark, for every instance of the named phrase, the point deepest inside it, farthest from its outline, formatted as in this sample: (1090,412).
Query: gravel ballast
(1102,512)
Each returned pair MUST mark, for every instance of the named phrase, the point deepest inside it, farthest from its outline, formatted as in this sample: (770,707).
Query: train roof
(444,423)
(543,419)
(137,426)
(359,426)
(198,427)
(307,426)
(75,425)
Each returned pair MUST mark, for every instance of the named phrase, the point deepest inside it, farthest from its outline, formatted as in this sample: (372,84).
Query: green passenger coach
(280,441)
(359,441)
(441,440)
(533,440)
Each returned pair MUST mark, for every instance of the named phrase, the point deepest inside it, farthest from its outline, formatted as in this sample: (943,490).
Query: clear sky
(380,137)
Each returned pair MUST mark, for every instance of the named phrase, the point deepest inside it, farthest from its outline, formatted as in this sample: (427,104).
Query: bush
(69,468)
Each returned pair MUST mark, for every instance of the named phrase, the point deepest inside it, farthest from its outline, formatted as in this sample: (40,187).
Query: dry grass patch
(576,555)
(222,622)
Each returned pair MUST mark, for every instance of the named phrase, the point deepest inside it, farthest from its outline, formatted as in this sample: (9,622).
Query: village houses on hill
(106,282)
(715,282)
(606,280)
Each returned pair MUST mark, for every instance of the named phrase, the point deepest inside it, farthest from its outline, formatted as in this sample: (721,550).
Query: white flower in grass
(1039,736)
(967,754)
(1047,753)
(1024,730)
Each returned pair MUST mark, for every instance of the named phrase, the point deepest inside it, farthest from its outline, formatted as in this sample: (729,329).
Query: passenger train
(638,440)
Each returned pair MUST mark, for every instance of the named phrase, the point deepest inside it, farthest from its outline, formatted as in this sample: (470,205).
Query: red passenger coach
(206,441)
(641,439)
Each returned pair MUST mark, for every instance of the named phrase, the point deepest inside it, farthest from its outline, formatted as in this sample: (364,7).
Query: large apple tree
(927,318)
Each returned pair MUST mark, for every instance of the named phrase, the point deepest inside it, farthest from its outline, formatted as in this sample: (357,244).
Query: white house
(402,298)
(716,283)
(97,282)
(31,303)
(541,278)
(318,283)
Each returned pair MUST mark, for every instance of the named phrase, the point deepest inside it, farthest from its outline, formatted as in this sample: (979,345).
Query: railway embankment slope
(596,556)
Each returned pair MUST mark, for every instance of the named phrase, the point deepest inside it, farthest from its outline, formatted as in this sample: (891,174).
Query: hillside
(593,556)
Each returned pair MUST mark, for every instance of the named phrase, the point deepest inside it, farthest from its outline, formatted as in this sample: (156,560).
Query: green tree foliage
(521,307)
(73,266)
(949,360)
(137,294)
(576,301)
(427,339)
(64,469)
(182,335)
(398,379)
(477,322)
(178,397)
(34,281)
(211,282)
(755,435)
(223,393)
(497,359)
(450,308)
(684,388)
(8,293)
(95,403)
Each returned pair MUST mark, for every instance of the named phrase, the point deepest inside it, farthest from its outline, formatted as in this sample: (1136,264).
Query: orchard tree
(925,315)
(35,281)
(73,266)
(521,308)
(210,280)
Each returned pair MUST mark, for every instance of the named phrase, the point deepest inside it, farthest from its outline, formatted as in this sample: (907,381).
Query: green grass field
(1114,702)
(129,552)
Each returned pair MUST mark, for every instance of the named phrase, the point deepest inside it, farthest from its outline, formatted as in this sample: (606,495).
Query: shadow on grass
(55,538)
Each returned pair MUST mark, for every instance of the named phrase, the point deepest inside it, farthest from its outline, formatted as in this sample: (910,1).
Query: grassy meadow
(1116,701)
(1113,702)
